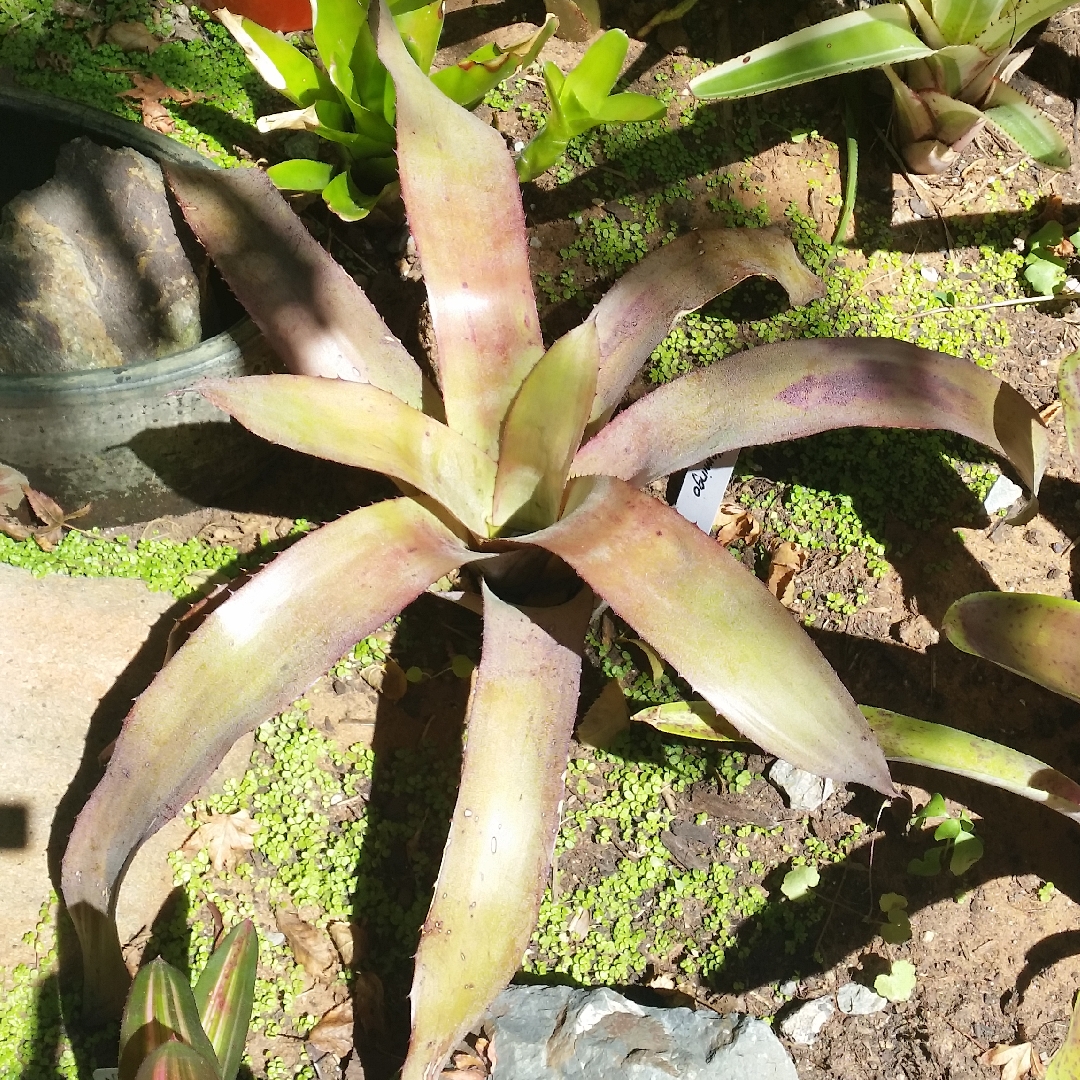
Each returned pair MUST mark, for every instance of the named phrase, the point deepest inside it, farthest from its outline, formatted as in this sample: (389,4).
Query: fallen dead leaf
(71,10)
(368,1004)
(132,37)
(311,947)
(150,92)
(787,560)
(333,1034)
(225,836)
(95,35)
(733,523)
(580,923)
(350,940)
(387,678)
(1015,1062)
(607,717)
(12,484)
(49,534)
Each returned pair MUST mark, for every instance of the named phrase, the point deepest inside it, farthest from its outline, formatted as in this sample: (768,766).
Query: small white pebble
(336,798)
(928,936)
(468,813)
(276,937)
(518,146)
(1048,99)
(535,242)
(686,91)
(929,273)
(1019,243)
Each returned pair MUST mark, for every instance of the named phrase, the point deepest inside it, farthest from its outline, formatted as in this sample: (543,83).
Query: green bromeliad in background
(949,63)
(347,97)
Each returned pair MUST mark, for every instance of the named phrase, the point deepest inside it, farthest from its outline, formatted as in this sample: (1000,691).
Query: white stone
(804,1025)
(854,999)
(1002,495)
(804,790)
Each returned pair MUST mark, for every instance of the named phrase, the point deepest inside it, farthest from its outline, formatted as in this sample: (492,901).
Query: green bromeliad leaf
(853,42)
(225,994)
(717,625)
(1035,636)
(961,21)
(283,66)
(520,717)
(301,174)
(1069,393)
(1033,131)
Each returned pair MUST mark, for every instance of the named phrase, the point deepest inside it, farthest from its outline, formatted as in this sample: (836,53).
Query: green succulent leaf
(301,174)
(176,1061)
(225,994)
(543,430)
(1031,635)
(346,48)
(283,66)
(854,42)
(480,294)
(961,21)
(690,720)
(953,120)
(796,388)
(420,26)
(360,425)
(717,625)
(947,749)
(313,314)
(967,850)
(160,1008)
(637,312)
(252,656)
(347,200)
(579,101)
(1017,20)
(1065,1064)
(469,80)
(1069,393)
(503,830)
(1033,131)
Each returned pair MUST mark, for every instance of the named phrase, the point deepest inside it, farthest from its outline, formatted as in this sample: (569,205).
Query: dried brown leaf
(388,679)
(12,483)
(787,560)
(333,1034)
(49,534)
(132,37)
(311,947)
(225,836)
(733,523)
(150,92)
(368,1003)
(1015,1062)
(350,940)
(607,717)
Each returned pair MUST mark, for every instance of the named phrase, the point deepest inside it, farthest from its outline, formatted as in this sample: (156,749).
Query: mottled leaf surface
(796,388)
(494,868)
(314,315)
(256,653)
(718,626)
(176,1061)
(361,425)
(464,207)
(637,312)
(1029,634)
(1069,392)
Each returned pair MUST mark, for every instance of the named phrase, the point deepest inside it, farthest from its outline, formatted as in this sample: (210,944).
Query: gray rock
(804,790)
(92,273)
(1002,495)
(804,1024)
(857,1000)
(559,1033)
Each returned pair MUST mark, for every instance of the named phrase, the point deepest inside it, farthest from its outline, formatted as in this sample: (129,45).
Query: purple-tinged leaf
(543,431)
(225,993)
(642,306)
(1032,635)
(796,388)
(936,746)
(361,425)
(497,855)
(717,625)
(1069,393)
(160,1009)
(464,207)
(313,314)
(256,653)
(176,1061)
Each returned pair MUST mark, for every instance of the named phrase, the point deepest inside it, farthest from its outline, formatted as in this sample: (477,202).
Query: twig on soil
(1017,302)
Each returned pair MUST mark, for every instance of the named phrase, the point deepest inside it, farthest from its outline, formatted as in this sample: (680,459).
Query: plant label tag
(703,489)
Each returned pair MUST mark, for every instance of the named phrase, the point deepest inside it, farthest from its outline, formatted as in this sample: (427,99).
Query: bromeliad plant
(947,83)
(170,1032)
(347,98)
(514,474)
